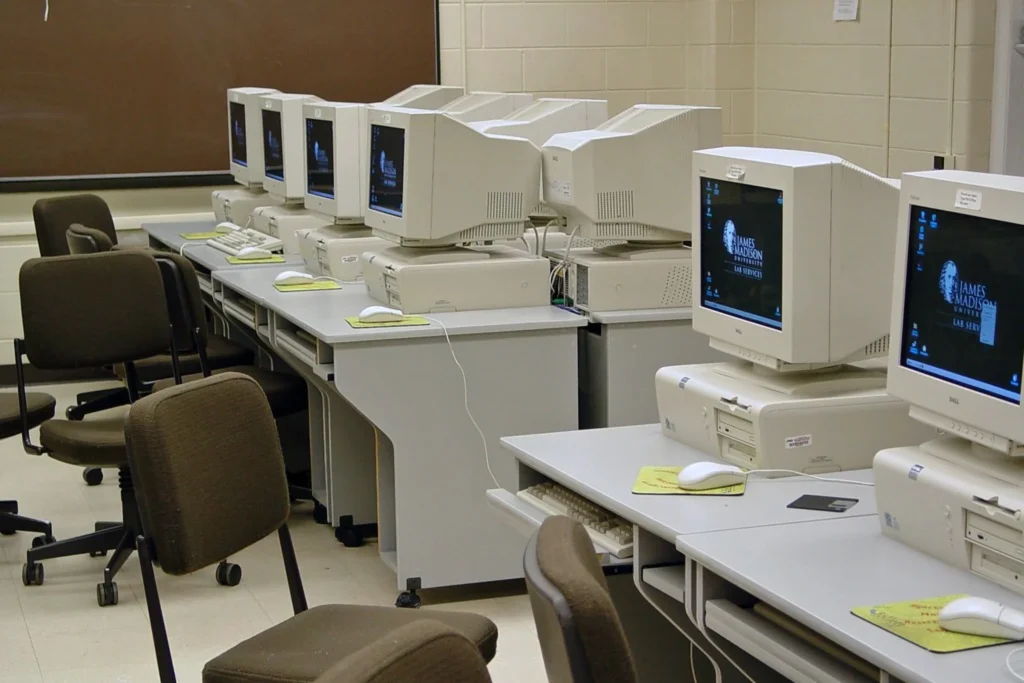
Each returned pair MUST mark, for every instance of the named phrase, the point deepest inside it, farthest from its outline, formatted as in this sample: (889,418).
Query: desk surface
(816,573)
(169,234)
(647,315)
(602,465)
(323,313)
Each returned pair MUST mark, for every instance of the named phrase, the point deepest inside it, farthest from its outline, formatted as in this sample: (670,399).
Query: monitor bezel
(804,337)
(953,401)
(317,202)
(419,162)
(250,175)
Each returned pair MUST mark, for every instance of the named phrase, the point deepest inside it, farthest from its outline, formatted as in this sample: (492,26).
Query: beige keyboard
(606,530)
(233,242)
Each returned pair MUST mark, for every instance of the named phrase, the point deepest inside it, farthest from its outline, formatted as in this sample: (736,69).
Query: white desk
(169,235)
(430,473)
(620,352)
(815,573)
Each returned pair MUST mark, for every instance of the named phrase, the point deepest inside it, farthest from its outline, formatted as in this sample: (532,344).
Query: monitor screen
(961,318)
(741,251)
(236,112)
(320,158)
(387,169)
(273,147)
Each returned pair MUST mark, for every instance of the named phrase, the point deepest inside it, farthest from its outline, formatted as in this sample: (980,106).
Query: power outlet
(943,162)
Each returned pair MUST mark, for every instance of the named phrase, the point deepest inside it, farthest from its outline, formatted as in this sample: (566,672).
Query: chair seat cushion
(221,352)
(308,644)
(40,408)
(93,442)
(286,393)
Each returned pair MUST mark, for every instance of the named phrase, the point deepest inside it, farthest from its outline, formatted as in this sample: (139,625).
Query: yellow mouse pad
(918,622)
(662,481)
(409,321)
(235,261)
(314,286)
(198,235)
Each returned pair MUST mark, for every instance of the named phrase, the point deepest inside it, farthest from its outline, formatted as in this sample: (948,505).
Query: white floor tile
(55,633)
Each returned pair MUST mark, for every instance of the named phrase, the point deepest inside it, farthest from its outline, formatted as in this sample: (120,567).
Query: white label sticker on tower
(798,441)
(560,190)
(968,199)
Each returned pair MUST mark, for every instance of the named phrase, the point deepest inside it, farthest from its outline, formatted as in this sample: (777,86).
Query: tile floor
(56,633)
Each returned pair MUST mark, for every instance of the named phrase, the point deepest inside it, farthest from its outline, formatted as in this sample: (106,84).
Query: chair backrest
(53,216)
(83,240)
(208,470)
(93,310)
(420,652)
(184,300)
(580,634)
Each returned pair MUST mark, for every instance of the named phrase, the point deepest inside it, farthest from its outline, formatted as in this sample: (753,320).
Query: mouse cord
(181,251)
(465,399)
(1009,666)
(811,476)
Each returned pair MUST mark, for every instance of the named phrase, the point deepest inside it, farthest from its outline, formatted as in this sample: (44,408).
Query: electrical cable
(1009,667)
(465,399)
(536,241)
(810,476)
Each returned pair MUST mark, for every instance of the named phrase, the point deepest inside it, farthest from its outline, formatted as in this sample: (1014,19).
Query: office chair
(83,240)
(580,634)
(38,408)
(420,652)
(89,311)
(210,478)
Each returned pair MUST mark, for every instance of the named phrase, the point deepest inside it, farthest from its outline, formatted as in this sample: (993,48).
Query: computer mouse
(701,476)
(982,617)
(252,253)
(293,277)
(226,227)
(380,314)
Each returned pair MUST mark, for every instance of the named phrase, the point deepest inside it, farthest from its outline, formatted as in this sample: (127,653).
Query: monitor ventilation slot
(621,231)
(505,206)
(615,205)
(877,348)
(678,287)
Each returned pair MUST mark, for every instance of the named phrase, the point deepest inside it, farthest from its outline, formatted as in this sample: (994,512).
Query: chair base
(95,401)
(11,522)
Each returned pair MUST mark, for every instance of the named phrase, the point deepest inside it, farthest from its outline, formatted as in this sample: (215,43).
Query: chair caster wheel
(349,537)
(93,476)
(408,600)
(319,513)
(8,532)
(229,574)
(32,574)
(40,541)
(106,594)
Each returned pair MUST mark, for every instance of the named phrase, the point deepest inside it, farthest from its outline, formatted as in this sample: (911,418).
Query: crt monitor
(335,151)
(793,256)
(284,154)
(245,145)
(435,181)
(957,319)
(429,97)
(483,106)
(628,179)
(547,116)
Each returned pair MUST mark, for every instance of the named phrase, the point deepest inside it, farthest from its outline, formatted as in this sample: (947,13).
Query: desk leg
(432,487)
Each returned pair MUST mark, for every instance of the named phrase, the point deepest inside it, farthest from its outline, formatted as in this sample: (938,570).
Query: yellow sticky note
(408,321)
(314,286)
(235,261)
(654,480)
(918,622)
(199,235)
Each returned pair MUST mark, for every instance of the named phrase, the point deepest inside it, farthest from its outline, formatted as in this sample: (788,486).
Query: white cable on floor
(465,399)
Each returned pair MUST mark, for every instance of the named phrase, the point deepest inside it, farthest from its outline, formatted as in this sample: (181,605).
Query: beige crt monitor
(245,157)
(436,183)
(957,357)
(483,106)
(629,179)
(792,276)
(429,97)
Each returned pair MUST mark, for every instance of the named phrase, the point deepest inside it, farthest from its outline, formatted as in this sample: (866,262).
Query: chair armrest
(421,652)
(19,368)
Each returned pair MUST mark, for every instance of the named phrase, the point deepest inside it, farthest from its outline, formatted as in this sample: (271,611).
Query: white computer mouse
(252,253)
(701,476)
(380,314)
(982,617)
(226,227)
(293,277)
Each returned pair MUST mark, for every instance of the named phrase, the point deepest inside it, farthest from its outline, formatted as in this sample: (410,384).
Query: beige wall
(878,91)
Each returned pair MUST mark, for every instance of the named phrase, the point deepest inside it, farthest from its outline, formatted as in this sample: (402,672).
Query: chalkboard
(113,87)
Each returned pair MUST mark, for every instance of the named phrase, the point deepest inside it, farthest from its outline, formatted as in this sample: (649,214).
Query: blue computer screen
(320,158)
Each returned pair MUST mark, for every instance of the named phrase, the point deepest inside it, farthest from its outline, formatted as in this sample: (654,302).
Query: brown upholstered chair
(420,652)
(83,240)
(90,311)
(580,634)
(55,215)
(210,478)
(38,409)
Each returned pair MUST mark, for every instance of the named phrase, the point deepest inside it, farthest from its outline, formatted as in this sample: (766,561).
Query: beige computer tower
(237,204)
(285,222)
(611,279)
(335,251)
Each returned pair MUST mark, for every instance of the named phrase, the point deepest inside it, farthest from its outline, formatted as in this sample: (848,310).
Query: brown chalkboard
(138,86)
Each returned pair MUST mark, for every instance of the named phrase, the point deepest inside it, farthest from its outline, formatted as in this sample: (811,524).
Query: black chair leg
(9,506)
(95,401)
(10,523)
(97,542)
(106,592)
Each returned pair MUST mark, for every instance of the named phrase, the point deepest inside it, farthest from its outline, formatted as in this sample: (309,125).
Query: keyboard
(233,242)
(607,531)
